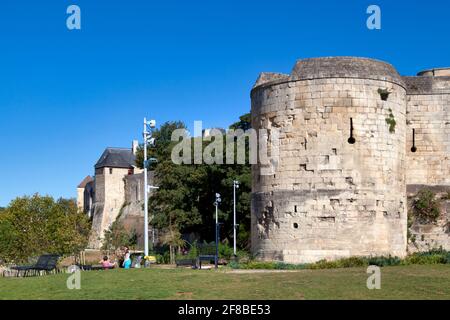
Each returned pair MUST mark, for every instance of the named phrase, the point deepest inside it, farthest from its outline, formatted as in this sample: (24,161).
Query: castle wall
(435,234)
(132,213)
(328,198)
(109,199)
(80,199)
(429,114)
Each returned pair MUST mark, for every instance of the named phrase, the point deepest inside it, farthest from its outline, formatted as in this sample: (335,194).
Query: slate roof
(85,181)
(116,158)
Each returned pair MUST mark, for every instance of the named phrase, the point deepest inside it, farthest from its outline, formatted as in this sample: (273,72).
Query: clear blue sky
(66,95)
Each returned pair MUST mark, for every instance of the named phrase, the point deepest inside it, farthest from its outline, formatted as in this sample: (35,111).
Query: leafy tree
(163,140)
(172,238)
(117,236)
(34,225)
(244,123)
(184,201)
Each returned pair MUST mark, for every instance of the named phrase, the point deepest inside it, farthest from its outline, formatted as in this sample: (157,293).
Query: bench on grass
(186,262)
(46,263)
(206,253)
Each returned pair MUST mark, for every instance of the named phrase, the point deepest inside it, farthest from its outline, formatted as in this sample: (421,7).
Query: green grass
(400,282)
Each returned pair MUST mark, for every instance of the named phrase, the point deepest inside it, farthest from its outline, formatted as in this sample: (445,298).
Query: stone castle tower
(346,158)
(115,193)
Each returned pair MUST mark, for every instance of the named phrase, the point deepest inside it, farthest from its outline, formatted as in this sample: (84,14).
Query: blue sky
(66,95)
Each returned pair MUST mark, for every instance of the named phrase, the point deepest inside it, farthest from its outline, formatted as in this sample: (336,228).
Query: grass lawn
(401,282)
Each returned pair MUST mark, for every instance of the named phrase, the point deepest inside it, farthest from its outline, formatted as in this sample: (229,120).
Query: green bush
(350,262)
(266,265)
(425,206)
(163,258)
(225,251)
(435,256)
(384,261)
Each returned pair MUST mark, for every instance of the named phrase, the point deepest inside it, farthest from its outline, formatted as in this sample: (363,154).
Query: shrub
(435,256)
(384,94)
(425,206)
(390,120)
(225,251)
(384,261)
(234,265)
(163,258)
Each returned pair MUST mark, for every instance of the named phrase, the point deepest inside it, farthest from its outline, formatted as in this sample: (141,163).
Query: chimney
(134,146)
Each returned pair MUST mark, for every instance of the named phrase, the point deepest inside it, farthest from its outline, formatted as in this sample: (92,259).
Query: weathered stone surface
(428,104)
(435,234)
(328,198)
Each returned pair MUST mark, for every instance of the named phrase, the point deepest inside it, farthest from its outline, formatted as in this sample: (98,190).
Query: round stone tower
(339,185)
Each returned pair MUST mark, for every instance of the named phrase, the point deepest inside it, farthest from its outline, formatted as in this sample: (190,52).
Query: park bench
(186,262)
(45,263)
(206,252)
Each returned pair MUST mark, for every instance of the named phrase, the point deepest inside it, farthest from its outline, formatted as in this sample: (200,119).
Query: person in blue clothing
(127,259)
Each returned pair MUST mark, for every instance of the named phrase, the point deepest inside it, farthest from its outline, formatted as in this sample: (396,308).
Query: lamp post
(235,186)
(148,128)
(216,203)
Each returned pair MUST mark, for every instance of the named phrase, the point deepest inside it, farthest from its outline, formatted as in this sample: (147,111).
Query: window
(295,225)
(110,170)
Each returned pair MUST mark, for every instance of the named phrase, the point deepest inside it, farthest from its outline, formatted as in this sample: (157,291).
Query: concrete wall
(328,198)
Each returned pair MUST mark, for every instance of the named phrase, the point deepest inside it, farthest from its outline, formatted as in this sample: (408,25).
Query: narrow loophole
(413,148)
(351,140)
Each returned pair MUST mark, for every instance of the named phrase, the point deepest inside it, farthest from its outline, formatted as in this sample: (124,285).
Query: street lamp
(148,130)
(235,226)
(216,203)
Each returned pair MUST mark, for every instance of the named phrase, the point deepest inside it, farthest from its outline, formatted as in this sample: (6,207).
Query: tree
(172,238)
(244,123)
(163,140)
(117,236)
(184,201)
(31,226)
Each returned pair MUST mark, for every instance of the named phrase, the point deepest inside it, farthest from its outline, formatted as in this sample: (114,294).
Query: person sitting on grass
(106,264)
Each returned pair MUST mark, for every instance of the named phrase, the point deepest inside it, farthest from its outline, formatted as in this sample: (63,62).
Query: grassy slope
(404,282)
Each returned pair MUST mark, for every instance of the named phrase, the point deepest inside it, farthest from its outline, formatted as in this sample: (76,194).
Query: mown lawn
(401,282)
